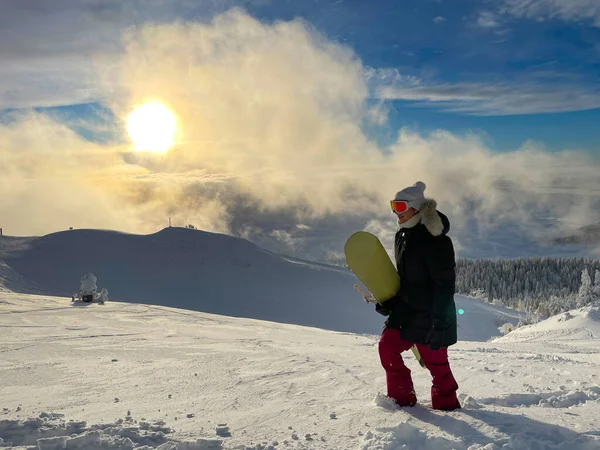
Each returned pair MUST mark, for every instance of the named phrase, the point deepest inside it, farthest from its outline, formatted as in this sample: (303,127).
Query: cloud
(487,19)
(567,10)
(439,20)
(53,52)
(26,87)
(505,98)
(390,76)
(48,60)
(49,178)
(276,106)
(272,148)
(286,238)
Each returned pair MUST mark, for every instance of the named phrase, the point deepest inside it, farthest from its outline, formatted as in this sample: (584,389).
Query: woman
(423,312)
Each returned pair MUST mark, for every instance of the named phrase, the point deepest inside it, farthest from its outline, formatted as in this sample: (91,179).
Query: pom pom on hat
(414,195)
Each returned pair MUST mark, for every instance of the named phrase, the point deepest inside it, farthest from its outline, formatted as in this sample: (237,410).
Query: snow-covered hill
(579,325)
(128,375)
(194,270)
(208,272)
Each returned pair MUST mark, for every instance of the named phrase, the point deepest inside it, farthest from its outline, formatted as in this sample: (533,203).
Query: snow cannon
(88,291)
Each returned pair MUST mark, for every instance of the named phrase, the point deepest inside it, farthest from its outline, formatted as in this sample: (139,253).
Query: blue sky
(477,48)
(507,70)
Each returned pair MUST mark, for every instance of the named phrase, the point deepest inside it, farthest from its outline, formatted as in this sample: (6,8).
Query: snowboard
(369,261)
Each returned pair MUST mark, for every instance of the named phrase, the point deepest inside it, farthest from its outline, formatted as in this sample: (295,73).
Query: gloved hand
(382,309)
(433,339)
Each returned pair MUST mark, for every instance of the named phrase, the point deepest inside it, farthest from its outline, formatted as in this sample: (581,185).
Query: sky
(299,120)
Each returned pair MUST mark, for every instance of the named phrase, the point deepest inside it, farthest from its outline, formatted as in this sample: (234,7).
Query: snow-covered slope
(479,321)
(581,325)
(208,272)
(131,375)
(194,270)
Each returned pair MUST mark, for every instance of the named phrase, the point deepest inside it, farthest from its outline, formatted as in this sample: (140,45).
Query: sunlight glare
(151,127)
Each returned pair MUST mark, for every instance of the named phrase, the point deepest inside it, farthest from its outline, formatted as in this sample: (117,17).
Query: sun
(151,127)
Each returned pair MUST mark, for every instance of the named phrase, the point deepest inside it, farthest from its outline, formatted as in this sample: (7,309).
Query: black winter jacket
(424,309)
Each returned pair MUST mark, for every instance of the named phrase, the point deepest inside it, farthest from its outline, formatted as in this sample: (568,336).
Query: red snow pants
(399,382)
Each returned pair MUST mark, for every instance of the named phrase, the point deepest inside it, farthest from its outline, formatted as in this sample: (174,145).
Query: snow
(215,273)
(194,270)
(224,374)
(582,324)
(124,375)
(480,320)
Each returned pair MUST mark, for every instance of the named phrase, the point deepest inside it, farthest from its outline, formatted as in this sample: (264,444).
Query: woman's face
(408,214)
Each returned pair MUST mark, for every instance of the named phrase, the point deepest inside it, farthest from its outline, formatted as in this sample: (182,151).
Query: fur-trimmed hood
(435,222)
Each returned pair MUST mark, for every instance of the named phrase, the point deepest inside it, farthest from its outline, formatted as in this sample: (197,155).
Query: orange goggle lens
(399,206)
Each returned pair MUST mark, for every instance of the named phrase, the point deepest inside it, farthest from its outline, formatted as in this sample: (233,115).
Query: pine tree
(526,283)
(596,288)
(585,295)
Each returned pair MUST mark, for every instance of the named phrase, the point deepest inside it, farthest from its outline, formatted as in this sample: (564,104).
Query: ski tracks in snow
(221,382)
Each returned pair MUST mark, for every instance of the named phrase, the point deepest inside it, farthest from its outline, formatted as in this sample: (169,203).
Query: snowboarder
(423,312)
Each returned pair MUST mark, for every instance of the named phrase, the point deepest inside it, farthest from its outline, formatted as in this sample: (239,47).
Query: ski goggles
(399,206)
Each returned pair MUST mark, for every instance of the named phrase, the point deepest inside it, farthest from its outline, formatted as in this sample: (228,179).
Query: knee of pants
(391,345)
(385,353)
(389,356)
(433,357)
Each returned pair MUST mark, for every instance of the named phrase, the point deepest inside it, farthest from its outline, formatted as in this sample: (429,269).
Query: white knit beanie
(413,195)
